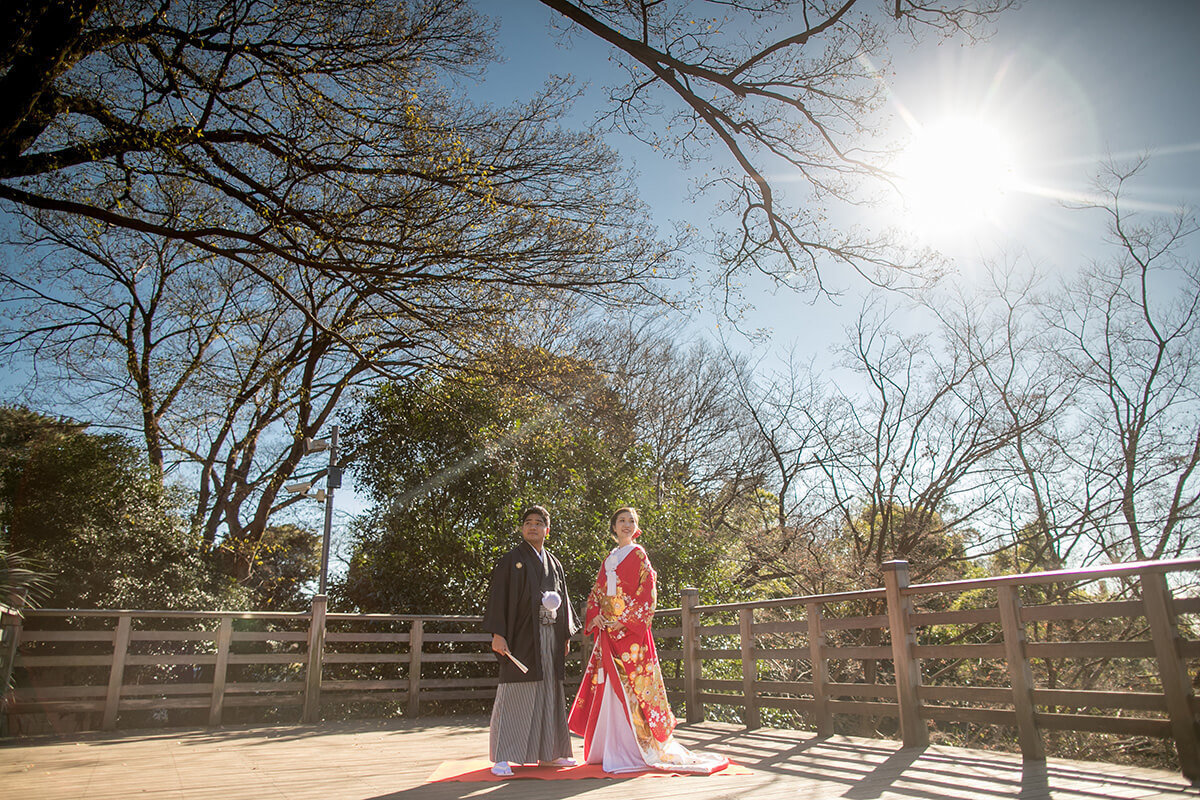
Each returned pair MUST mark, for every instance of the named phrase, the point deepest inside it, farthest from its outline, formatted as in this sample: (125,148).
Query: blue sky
(1067,83)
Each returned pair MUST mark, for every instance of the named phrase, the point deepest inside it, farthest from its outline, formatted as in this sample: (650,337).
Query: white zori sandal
(502,769)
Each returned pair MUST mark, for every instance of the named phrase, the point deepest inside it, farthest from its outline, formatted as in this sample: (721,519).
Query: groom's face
(534,530)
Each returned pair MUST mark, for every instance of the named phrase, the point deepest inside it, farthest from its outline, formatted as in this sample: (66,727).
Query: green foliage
(683,551)
(449,464)
(285,563)
(84,506)
(22,583)
(935,549)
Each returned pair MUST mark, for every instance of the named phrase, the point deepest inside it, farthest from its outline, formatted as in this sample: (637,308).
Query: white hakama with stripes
(529,721)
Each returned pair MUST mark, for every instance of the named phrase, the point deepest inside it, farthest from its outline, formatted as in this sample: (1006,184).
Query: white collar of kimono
(541,554)
(610,566)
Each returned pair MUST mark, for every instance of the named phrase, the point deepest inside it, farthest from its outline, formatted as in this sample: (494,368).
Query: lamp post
(333,480)
(316,625)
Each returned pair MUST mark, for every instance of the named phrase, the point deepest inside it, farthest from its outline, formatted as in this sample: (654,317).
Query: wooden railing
(891,652)
(90,668)
(898,630)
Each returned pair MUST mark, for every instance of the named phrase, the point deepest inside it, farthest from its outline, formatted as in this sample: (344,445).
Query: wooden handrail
(1133,568)
(137,612)
(283,615)
(783,602)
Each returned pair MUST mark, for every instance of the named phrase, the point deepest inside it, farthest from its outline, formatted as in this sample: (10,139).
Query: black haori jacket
(514,599)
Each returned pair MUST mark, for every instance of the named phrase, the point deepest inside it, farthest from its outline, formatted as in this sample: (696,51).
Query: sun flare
(955,176)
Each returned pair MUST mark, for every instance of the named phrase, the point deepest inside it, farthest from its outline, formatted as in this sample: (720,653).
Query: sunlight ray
(472,459)
(1082,197)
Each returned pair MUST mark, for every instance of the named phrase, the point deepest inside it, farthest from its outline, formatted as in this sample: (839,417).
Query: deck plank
(391,760)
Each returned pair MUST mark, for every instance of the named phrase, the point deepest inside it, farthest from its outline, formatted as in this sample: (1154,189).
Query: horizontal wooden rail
(1074,576)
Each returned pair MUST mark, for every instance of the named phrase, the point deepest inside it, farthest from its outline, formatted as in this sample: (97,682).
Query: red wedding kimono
(623,672)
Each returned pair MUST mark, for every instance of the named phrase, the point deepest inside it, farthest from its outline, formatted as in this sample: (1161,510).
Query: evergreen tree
(85,507)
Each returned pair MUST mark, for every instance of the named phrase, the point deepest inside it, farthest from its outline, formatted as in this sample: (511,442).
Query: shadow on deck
(391,760)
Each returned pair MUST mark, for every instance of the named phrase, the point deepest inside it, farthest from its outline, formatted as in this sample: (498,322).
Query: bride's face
(624,527)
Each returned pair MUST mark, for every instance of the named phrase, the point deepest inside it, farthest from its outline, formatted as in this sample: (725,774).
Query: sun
(955,176)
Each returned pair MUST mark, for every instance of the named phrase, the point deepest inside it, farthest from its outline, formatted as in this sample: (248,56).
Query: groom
(531,621)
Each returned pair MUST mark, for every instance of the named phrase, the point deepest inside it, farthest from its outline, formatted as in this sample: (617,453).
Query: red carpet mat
(480,769)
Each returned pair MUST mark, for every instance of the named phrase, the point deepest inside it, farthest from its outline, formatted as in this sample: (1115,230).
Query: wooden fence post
(1019,674)
(868,723)
(1160,614)
(749,667)
(820,670)
(224,639)
(316,652)
(10,640)
(416,637)
(690,598)
(116,674)
(913,730)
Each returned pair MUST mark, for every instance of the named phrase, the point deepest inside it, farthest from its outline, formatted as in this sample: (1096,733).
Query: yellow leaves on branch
(448,152)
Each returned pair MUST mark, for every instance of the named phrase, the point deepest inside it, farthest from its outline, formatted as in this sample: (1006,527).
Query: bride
(621,710)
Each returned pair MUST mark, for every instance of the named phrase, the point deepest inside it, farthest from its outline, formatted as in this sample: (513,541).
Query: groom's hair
(538,510)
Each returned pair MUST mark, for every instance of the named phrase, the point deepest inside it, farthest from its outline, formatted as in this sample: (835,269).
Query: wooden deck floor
(392,760)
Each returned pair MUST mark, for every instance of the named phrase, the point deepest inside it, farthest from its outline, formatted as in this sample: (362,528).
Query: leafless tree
(1049,426)
(998,325)
(317,124)
(783,519)
(907,461)
(781,91)
(198,360)
(903,455)
(320,131)
(682,399)
(1127,331)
